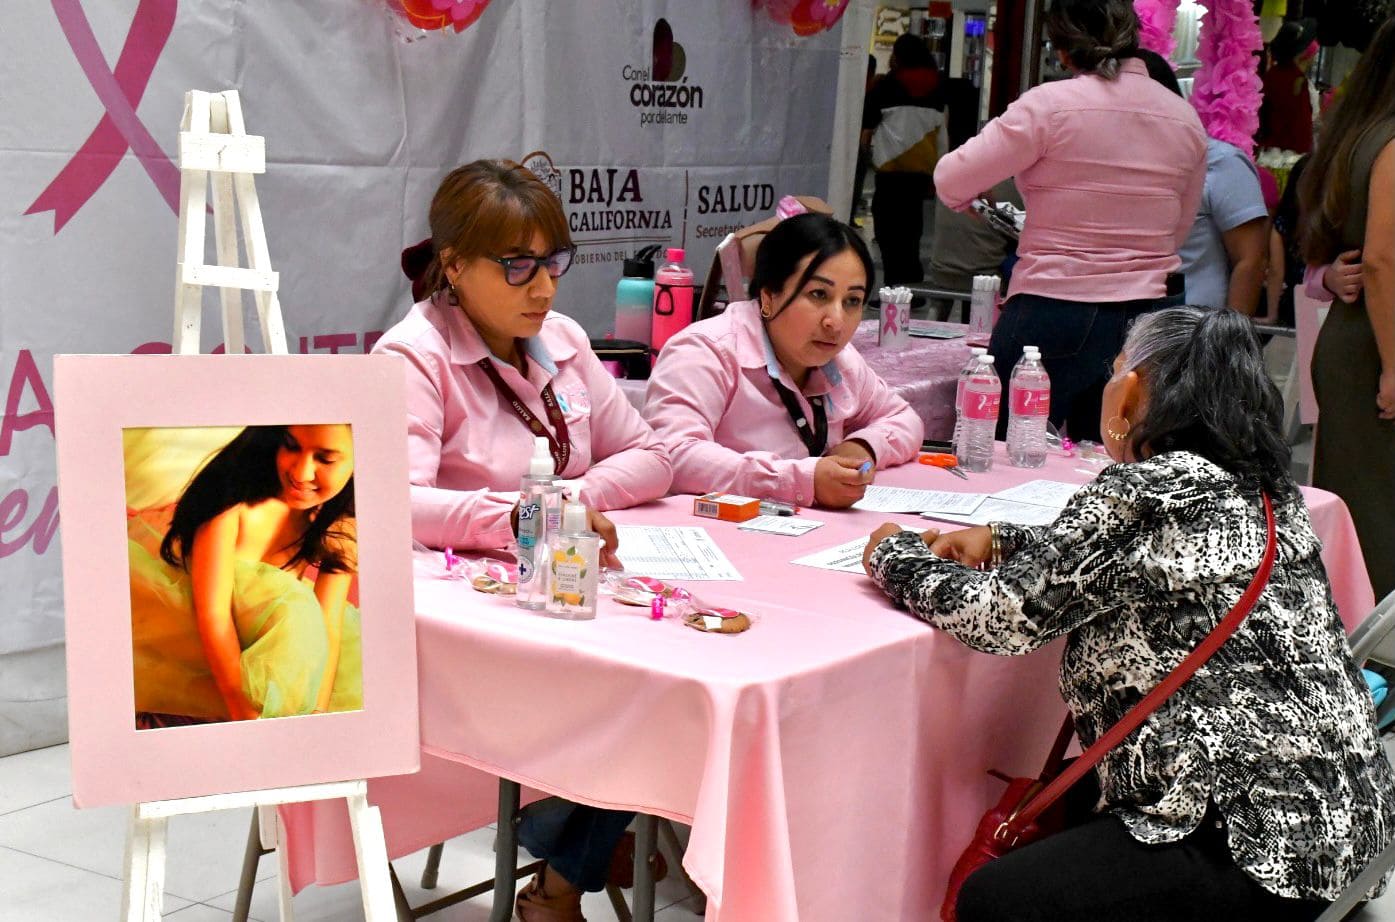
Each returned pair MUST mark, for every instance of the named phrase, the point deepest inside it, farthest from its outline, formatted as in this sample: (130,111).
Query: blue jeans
(1078,342)
(577,841)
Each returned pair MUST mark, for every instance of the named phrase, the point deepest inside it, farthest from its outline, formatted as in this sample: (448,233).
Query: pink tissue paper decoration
(1157,19)
(1227,90)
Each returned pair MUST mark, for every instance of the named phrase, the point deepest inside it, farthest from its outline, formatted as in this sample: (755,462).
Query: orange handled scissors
(948,462)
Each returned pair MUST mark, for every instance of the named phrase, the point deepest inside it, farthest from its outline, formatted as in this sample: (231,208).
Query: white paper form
(1041,493)
(673,552)
(791,525)
(845,558)
(1001,510)
(904,499)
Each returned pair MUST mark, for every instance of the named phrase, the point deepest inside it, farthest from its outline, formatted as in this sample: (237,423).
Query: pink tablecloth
(923,373)
(831,761)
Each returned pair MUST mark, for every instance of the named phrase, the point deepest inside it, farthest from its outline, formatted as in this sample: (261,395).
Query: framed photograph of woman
(237,586)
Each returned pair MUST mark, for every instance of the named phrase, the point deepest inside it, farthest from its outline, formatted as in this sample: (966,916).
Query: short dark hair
(911,51)
(795,238)
(1209,393)
(1159,69)
(1094,34)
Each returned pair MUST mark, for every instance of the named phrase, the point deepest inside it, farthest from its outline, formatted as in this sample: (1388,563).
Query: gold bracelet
(996,554)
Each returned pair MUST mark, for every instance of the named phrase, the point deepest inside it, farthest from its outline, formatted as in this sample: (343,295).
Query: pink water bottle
(673,299)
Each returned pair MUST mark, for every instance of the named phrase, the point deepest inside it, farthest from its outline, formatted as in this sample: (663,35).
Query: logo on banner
(662,89)
(119,91)
(604,205)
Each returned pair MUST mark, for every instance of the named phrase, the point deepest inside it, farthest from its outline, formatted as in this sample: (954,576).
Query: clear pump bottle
(539,505)
(574,564)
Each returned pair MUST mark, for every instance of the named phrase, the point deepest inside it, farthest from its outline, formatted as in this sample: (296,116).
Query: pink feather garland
(1157,18)
(1227,90)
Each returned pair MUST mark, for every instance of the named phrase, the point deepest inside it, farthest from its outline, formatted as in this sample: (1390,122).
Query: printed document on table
(845,558)
(904,499)
(791,525)
(1001,510)
(1041,493)
(673,552)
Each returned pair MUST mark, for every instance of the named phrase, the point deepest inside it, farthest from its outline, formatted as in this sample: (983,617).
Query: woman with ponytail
(1110,166)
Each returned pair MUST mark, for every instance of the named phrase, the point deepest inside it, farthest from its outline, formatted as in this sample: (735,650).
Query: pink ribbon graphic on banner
(120,92)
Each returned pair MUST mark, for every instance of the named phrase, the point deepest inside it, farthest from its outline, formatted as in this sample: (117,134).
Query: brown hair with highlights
(491,208)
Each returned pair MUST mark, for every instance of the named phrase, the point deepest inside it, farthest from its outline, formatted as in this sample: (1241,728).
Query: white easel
(214,145)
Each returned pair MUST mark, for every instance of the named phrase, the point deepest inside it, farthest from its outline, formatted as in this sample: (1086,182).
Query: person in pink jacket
(769,399)
(1111,167)
(488,367)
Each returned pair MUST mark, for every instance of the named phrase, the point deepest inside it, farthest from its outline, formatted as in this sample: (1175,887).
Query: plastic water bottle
(673,299)
(539,512)
(983,308)
(1029,402)
(983,393)
(964,374)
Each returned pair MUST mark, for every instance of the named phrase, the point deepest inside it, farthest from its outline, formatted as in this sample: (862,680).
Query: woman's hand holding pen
(841,476)
(839,482)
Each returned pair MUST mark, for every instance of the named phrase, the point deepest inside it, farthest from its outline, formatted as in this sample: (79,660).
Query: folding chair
(735,258)
(1372,643)
(652,834)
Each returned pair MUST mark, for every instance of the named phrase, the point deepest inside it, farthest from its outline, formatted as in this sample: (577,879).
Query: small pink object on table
(793,749)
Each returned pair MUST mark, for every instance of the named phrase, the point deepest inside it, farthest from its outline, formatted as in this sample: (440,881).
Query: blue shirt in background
(1230,198)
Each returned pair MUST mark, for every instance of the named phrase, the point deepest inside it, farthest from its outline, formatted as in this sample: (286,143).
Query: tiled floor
(58,864)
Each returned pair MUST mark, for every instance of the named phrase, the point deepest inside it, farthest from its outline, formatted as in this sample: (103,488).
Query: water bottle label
(1031,401)
(981,405)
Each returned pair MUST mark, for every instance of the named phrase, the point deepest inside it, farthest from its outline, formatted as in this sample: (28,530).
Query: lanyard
(560,445)
(815,439)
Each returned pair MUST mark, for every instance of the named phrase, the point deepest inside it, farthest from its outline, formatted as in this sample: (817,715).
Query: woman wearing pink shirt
(487,369)
(1111,167)
(768,399)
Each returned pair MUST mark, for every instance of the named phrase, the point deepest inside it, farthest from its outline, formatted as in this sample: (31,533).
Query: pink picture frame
(98,398)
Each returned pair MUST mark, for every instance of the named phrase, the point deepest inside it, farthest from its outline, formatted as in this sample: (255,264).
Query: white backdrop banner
(656,122)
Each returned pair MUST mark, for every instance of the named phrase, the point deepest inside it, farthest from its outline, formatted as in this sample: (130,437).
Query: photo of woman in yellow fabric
(240,589)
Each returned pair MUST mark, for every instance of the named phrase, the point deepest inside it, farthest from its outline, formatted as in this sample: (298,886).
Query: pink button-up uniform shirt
(1111,173)
(711,401)
(467,449)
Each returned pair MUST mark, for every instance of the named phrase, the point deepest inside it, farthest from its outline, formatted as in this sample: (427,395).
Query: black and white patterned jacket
(1277,729)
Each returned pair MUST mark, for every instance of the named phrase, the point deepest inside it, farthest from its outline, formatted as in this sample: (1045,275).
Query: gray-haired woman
(1259,789)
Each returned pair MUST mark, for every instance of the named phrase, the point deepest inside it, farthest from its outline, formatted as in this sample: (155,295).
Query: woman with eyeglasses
(488,368)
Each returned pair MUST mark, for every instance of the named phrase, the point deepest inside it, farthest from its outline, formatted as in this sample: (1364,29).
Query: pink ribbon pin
(120,91)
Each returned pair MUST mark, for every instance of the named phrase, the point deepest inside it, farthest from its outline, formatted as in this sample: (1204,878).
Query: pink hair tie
(788,207)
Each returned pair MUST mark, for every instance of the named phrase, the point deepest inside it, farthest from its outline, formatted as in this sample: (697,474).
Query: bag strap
(1009,831)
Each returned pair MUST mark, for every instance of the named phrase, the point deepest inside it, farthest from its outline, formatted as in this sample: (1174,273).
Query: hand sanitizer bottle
(539,503)
(574,561)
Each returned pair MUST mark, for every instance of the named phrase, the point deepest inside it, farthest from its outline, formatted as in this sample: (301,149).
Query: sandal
(622,864)
(532,906)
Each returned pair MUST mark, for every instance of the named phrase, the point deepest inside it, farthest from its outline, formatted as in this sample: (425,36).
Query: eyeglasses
(520,270)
